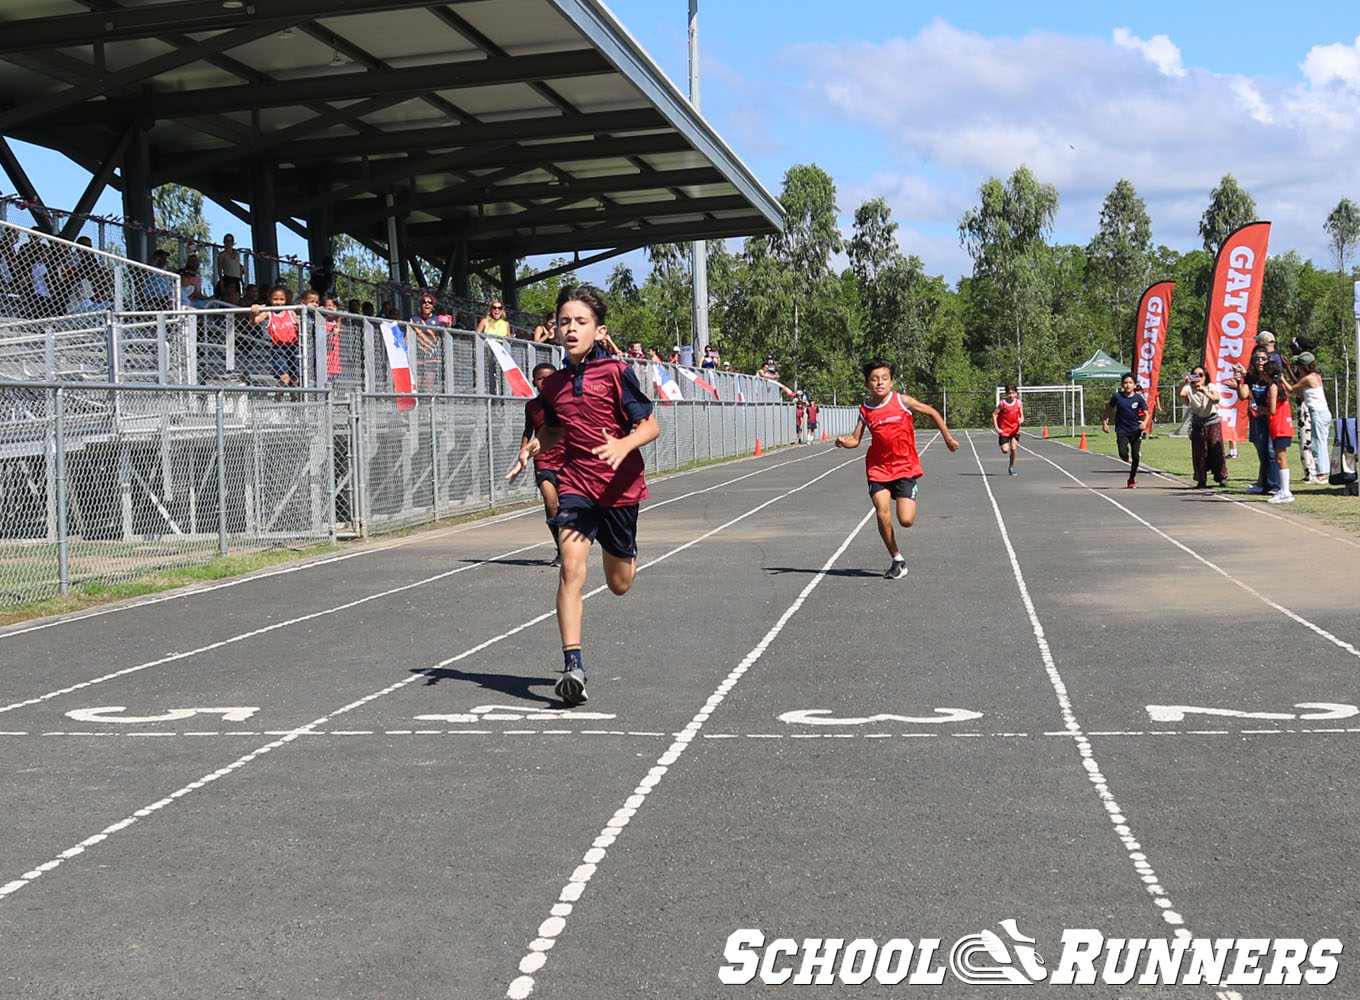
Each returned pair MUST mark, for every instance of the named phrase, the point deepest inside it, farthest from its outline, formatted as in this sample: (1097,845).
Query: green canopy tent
(1099,367)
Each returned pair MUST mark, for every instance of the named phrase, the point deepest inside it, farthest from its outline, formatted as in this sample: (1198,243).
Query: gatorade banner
(1234,308)
(1154,308)
(514,375)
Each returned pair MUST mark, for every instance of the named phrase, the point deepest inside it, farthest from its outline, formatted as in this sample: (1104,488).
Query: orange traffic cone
(824,437)
(759,451)
(1045,430)
(1082,446)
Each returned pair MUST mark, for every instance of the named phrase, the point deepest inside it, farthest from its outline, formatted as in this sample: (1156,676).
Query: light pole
(699,248)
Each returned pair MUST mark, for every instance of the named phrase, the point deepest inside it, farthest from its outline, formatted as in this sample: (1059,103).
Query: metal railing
(107,482)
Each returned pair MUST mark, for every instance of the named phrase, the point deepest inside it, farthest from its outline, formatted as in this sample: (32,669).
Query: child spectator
(283,335)
(1280,416)
(596,409)
(812,420)
(331,307)
(892,464)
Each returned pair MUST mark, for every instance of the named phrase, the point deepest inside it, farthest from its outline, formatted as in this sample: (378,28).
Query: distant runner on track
(1007,418)
(892,465)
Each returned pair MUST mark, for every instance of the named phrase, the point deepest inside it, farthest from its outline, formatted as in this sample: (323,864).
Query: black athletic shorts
(615,527)
(542,476)
(898,489)
(1005,439)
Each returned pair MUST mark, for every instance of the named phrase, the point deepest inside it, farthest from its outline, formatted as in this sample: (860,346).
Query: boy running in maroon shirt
(595,408)
(892,465)
(547,464)
(1006,420)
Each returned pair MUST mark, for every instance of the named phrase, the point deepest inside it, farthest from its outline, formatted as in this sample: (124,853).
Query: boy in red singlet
(596,409)
(892,464)
(547,464)
(1006,419)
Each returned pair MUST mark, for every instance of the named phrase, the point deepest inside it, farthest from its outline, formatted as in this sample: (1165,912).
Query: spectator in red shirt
(596,409)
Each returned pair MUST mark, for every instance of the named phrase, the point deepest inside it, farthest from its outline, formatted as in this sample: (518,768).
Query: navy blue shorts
(615,527)
(898,489)
(542,476)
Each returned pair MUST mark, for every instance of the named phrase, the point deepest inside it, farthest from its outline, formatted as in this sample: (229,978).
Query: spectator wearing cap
(1266,340)
(1309,389)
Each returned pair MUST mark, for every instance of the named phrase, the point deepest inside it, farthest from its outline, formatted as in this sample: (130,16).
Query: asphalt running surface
(1132,712)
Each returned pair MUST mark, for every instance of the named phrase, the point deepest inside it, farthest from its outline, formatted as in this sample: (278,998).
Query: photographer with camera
(1206,430)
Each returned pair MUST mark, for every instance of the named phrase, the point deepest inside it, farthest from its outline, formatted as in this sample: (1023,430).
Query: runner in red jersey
(892,465)
(1007,418)
(547,464)
(595,408)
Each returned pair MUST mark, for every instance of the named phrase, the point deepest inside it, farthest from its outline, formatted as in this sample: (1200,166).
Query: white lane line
(1242,584)
(369,548)
(255,633)
(13,886)
(1123,733)
(1094,774)
(1254,506)
(551,928)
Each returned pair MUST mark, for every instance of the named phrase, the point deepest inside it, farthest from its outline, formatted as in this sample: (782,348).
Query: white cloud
(946,109)
(1158,50)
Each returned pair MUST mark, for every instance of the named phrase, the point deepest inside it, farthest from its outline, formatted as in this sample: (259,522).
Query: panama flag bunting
(787,391)
(514,375)
(741,389)
(666,386)
(701,383)
(1234,308)
(394,339)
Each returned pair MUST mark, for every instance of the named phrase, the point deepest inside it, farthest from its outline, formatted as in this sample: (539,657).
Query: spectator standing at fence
(158,286)
(191,283)
(547,464)
(9,260)
(546,331)
(283,335)
(1206,429)
(892,465)
(229,271)
(1129,407)
(1006,420)
(428,328)
(769,369)
(812,420)
(595,407)
(710,359)
(330,307)
(1309,387)
(494,322)
(635,351)
(42,279)
(322,276)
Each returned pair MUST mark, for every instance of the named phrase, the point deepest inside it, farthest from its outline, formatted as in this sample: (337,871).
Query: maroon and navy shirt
(544,461)
(598,395)
(892,451)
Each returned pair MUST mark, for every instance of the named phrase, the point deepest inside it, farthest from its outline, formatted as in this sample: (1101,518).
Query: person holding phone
(1206,430)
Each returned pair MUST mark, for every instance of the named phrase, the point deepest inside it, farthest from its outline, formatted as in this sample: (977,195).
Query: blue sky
(920,104)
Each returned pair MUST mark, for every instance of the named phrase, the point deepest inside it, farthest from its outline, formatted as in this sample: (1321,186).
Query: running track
(1084,707)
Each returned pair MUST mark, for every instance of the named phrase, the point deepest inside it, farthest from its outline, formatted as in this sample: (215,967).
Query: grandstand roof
(520,126)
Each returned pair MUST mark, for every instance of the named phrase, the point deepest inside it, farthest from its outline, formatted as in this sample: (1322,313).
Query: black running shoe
(571,686)
(556,560)
(897,570)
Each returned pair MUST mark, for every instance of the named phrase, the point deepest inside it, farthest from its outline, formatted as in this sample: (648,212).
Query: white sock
(899,558)
(1284,481)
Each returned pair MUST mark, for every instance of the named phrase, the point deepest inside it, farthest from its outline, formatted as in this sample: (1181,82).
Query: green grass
(1172,455)
(93,593)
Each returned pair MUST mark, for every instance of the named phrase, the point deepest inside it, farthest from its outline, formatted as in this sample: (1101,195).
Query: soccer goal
(1054,406)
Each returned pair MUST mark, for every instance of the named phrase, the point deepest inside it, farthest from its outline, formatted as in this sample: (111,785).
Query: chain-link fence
(102,482)
(111,482)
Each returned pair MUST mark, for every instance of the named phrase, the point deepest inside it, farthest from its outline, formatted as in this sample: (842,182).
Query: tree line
(1031,309)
